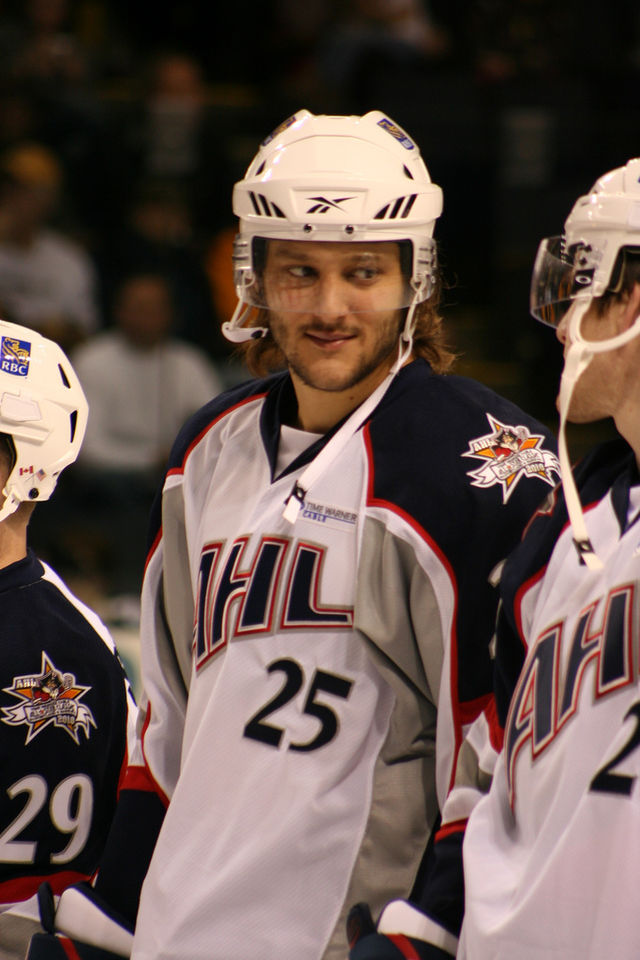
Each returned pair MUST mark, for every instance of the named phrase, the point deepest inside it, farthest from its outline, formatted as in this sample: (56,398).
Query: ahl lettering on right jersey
(260,594)
(548,689)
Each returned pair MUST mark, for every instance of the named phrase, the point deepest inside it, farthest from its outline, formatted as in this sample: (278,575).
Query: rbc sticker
(14,356)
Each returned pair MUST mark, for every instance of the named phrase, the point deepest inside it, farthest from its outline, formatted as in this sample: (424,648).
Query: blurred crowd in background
(123,127)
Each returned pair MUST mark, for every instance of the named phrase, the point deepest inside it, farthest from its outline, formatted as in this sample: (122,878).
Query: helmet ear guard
(43,410)
(588,259)
(335,178)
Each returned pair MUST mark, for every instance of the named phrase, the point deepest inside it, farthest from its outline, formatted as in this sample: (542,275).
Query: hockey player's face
(335,310)
(609,384)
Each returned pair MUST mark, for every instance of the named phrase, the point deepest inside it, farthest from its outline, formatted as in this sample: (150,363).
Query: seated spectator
(47,280)
(172,131)
(141,383)
(157,235)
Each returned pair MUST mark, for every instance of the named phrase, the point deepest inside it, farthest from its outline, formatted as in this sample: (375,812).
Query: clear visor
(559,276)
(326,278)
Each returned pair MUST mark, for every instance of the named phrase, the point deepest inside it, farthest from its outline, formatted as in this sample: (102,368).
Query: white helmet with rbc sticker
(42,408)
(335,178)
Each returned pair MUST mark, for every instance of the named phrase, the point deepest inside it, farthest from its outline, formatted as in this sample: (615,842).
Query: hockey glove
(366,943)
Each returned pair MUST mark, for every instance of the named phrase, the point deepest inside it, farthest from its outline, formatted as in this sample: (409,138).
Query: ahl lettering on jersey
(241,596)
(548,689)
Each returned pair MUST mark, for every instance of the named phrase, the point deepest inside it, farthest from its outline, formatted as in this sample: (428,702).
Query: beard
(359,357)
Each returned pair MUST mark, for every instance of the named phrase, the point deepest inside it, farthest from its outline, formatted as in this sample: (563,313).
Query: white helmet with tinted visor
(347,179)
(43,410)
(587,261)
(584,262)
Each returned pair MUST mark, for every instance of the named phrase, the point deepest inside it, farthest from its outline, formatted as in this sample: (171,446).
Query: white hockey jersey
(550,854)
(307,685)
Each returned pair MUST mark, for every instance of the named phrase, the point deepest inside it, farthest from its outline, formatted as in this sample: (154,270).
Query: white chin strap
(235,332)
(579,356)
(338,442)
(10,505)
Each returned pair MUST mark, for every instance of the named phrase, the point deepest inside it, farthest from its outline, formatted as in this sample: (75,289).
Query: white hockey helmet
(42,408)
(580,264)
(334,178)
(569,271)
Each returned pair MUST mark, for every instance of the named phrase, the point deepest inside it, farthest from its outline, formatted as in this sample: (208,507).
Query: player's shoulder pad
(212,411)
(595,474)
(458,441)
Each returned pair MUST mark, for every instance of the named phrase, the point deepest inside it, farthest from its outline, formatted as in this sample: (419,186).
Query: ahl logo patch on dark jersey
(509,453)
(49,698)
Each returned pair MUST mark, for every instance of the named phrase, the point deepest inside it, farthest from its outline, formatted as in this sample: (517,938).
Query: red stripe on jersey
(410,521)
(141,778)
(531,582)
(69,949)
(404,945)
(518,599)
(152,550)
(15,891)
(448,829)
(471,709)
(496,731)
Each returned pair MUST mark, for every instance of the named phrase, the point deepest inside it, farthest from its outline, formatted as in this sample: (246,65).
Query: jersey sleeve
(152,773)
(448,535)
(166,635)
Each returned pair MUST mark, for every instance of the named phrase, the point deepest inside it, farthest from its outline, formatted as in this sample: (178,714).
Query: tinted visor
(558,277)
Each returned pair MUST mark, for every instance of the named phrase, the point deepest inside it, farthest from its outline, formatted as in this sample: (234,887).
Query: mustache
(335,330)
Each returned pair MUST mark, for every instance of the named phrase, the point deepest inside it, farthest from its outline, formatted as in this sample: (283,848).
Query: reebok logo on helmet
(323,204)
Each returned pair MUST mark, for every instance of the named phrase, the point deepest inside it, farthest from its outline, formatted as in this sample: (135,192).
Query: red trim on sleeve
(449,829)
(69,949)
(22,888)
(471,709)
(152,550)
(140,777)
(518,599)
(404,945)
(496,731)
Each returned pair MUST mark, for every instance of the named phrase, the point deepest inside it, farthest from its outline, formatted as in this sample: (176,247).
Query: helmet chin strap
(10,505)
(339,440)
(579,356)
(235,332)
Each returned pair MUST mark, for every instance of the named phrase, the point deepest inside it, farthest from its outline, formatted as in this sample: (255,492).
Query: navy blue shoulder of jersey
(609,466)
(431,439)
(63,715)
(434,442)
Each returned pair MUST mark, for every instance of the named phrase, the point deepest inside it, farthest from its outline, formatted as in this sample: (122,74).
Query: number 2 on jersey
(605,781)
(294,680)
